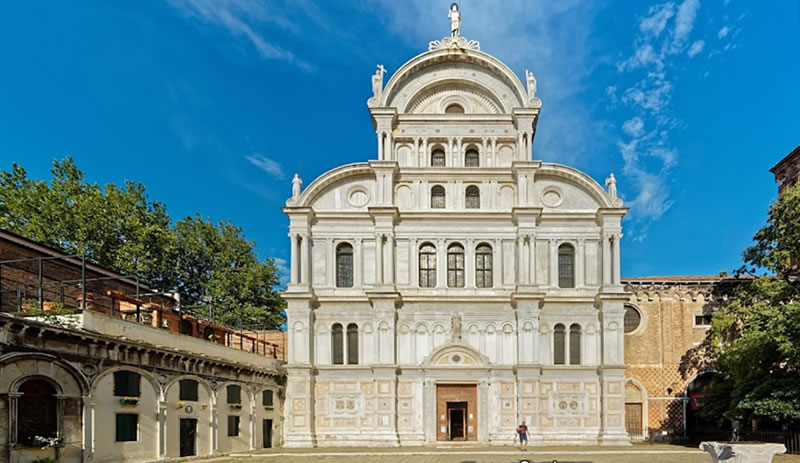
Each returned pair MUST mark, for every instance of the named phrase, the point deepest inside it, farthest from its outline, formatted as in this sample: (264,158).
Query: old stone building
(454,285)
(787,170)
(123,376)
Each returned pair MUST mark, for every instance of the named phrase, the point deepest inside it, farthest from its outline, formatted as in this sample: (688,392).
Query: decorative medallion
(188,409)
(456,358)
(162,378)
(358,197)
(89,369)
(552,197)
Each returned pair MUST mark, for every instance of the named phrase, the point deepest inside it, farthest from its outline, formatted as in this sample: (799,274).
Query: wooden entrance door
(456,412)
(633,419)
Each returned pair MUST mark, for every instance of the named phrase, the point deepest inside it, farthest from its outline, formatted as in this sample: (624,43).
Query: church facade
(454,286)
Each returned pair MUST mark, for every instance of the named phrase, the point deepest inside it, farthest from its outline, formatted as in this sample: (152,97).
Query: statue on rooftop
(530,80)
(611,184)
(297,184)
(455,20)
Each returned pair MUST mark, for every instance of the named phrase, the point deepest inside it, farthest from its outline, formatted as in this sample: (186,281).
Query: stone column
(88,428)
(530,145)
(295,258)
(423,161)
(380,144)
(429,410)
(379,259)
(13,410)
(483,413)
(413,262)
(469,264)
(616,273)
(305,275)
(358,268)
(606,259)
(519,279)
(494,153)
(525,274)
(390,258)
(520,147)
(484,152)
(450,152)
(458,159)
(387,150)
(441,263)
(532,263)
(497,263)
(580,262)
(553,264)
(162,428)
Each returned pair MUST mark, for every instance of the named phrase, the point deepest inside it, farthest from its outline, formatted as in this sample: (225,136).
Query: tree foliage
(120,228)
(756,338)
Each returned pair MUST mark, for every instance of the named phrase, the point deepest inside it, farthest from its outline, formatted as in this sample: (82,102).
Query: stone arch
(174,382)
(42,366)
(159,390)
(636,402)
(457,355)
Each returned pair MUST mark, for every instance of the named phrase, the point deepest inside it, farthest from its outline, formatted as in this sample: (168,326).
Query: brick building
(787,170)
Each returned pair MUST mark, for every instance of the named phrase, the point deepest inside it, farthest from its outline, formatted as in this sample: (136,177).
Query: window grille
(473,197)
(437,158)
(472,159)
(559,347)
(427,266)
(575,344)
(337,344)
(566,266)
(455,266)
(483,266)
(344,265)
(437,197)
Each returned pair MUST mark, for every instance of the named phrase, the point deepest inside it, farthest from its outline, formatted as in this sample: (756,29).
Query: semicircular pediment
(436,100)
(457,355)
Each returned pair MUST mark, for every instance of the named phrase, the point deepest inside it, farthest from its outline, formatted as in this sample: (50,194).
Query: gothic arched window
(438,158)
(472,159)
(344,265)
(437,197)
(352,344)
(559,345)
(483,266)
(455,266)
(427,266)
(473,197)
(575,344)
(337,344)
(566,266)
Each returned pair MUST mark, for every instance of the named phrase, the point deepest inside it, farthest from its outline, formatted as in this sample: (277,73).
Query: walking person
(522,432)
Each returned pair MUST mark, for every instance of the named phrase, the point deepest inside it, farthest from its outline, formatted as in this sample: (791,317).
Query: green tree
(120,228)
(756,338)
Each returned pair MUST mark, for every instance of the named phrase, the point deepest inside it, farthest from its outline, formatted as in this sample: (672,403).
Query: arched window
(483,266)
(437,158)
(427,266)
(472,159)
(437,197)
(337,344)
(559,345)
(566,266)
(473,197)
(36,412)
(344,265)
(632,319)
(352,344)
(455,266)
(454,109)
(575,344)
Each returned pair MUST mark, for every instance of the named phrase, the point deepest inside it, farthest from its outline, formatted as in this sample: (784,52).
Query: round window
(632,319)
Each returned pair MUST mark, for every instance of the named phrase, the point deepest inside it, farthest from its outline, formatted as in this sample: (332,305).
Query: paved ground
(634,454)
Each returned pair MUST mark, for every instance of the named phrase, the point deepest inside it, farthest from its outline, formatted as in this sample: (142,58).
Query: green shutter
(127,427)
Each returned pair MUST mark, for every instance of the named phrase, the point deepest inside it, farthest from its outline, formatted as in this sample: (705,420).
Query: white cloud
(696,48)
(723,32)
(240,17)
(684,21)
(283,268)
(554,42)
(267,165)
(634,127)
(656,21)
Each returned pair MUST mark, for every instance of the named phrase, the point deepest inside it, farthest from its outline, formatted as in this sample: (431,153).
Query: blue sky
(214,104)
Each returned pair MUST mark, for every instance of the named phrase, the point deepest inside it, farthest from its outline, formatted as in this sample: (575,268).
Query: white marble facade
(533,347)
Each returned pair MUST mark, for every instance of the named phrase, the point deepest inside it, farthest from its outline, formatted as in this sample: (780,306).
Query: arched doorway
(37,412)
(635,422)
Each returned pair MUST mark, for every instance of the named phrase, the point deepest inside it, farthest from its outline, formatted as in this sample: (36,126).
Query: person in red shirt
(522,430)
